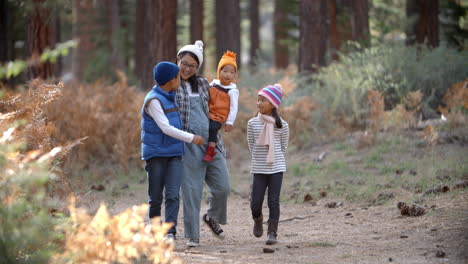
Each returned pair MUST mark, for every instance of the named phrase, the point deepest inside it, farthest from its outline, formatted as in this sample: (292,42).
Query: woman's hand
(227,128)
(198,140)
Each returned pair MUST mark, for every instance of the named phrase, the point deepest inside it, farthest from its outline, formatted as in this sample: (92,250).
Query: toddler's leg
(214,127)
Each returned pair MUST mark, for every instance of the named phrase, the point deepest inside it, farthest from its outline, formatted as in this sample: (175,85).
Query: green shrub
(393,69)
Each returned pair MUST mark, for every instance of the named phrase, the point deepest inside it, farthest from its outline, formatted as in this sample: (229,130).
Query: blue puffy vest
(154,143)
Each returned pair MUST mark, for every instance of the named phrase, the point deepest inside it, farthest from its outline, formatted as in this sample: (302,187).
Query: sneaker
(169,238)
(214,227)
(193,243)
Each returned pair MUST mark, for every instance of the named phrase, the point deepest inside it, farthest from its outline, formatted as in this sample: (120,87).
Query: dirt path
(347,234)
(352,233)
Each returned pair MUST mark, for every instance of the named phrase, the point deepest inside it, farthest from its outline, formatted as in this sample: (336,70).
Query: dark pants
(215,126)
(260,184)
(164,173)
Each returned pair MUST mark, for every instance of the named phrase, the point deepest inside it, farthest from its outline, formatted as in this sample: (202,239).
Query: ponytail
(277,117)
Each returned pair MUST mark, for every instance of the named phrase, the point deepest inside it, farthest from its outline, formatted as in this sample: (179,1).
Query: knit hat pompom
(164,72)
(274,94)
(199,44)
(228,58)
(196,49)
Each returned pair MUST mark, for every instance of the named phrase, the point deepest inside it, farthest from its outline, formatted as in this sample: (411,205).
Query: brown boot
(258,226)
(209,153)
(272,229)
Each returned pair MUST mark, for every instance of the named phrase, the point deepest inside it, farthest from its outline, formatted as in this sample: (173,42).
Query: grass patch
(396,164)
(321,244)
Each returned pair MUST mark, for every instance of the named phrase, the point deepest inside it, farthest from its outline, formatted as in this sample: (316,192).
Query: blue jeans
(260,183)
(164,173)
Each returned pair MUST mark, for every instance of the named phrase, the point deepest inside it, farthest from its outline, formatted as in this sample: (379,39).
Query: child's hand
(198,140)
(227,128)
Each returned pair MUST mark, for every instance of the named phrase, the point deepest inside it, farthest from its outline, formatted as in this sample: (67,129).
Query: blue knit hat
(164,72)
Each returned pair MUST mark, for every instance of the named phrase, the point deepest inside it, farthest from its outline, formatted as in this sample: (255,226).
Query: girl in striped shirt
(267,136)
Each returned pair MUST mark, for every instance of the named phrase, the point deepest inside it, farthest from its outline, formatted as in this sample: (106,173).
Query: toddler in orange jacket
(223,104)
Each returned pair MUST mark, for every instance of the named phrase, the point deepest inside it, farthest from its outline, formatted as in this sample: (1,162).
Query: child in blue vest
(162,144)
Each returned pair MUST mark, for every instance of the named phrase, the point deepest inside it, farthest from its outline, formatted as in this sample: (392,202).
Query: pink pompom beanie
(273,94)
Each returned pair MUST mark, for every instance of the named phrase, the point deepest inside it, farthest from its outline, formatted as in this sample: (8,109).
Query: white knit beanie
(196,49)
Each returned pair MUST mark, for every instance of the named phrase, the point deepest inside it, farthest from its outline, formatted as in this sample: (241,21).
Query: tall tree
(196,20)
(40,37)
(254,31)
(360,22)
(426,26)
(313,34)
(280,19)
(84,27)
(158,39)
(228,28)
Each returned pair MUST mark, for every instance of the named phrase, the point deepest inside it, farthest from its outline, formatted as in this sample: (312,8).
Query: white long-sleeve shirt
(233,98)
(154,109)
(259,152)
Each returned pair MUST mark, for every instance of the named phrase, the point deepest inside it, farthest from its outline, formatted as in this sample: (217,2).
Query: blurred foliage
(27,229)
(123,238)
(15,68)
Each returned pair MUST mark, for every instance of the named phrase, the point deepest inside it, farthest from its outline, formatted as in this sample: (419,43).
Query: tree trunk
(334,37)
(254,32)
(4,38)
(83,29)
(159,37)
(228,28)
(196,20)
(40,37)
(313,34)
(280,19)
(360,22)
(426,26)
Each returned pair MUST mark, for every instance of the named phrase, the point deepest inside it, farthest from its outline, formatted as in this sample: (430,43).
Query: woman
(192,98)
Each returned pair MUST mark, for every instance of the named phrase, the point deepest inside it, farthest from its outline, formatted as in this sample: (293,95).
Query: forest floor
(341,209)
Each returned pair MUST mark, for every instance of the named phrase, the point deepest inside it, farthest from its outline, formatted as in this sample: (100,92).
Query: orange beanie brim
(229,58)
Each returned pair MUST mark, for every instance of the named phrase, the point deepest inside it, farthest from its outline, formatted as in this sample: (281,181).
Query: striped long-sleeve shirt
(259,152)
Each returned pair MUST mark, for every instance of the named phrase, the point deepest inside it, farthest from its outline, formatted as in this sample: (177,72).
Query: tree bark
(280,19)
(40,37)
(228,28)
(426,26)
(159,36)
(254,31)
(313,34)
(360,22)
(83,29)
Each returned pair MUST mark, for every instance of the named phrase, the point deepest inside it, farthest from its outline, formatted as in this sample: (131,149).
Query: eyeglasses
(190,66)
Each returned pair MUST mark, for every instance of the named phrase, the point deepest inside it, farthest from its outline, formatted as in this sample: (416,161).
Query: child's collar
(218,82)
